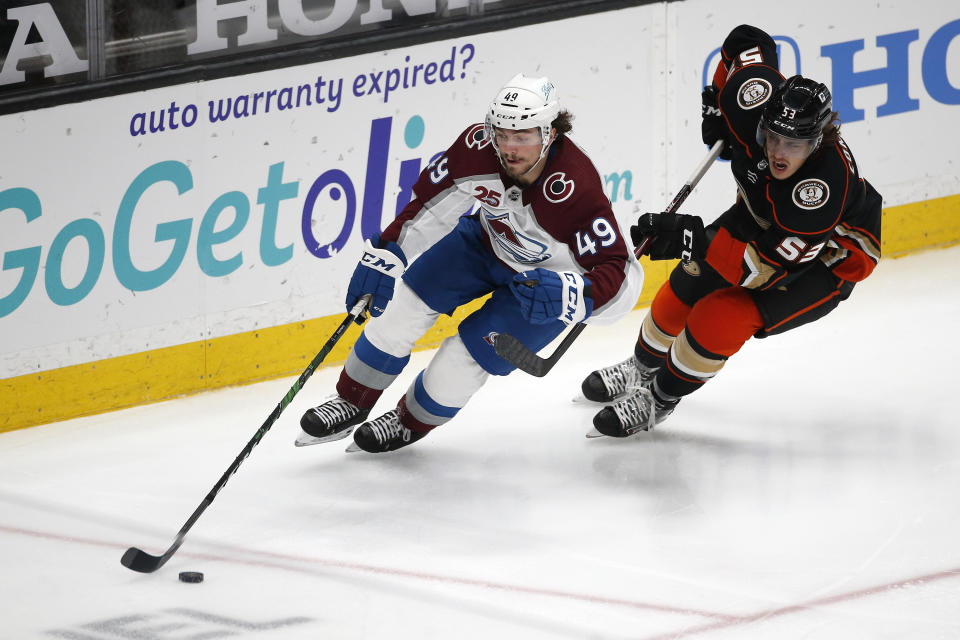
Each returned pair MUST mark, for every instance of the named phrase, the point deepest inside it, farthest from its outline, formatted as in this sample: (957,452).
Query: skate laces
(635,412)
(336,411)
(642,410)
(623,376)
(387,427)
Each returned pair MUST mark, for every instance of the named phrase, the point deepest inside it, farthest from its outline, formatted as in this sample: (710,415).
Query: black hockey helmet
(799,108)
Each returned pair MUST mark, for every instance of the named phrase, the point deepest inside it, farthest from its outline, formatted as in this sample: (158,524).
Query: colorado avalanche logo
(476,137)
(521,248)
(557,188)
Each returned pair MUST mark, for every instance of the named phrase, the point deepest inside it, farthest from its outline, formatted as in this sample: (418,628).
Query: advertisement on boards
(192,212)
(168,216)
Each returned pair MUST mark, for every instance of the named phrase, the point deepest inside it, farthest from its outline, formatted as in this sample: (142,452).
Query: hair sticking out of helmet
(524,103)
(800,108)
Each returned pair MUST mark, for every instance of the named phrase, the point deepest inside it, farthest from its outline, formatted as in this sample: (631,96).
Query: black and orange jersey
(825,211)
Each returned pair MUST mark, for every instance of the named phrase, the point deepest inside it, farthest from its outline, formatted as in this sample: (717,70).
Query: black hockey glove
(714,127)
(675,235)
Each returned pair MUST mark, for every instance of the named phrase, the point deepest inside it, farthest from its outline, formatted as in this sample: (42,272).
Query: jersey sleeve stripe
(862,239)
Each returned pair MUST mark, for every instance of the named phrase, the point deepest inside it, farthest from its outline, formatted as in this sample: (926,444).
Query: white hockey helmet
(525,103)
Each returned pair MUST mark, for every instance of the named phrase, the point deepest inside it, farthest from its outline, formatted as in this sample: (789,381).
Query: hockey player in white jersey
(541,238)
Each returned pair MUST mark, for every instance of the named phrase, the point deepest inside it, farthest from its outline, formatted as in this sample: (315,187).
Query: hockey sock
(356,393)
(368,371)
(667,317)
(717,327)
(443,388)
(410,421)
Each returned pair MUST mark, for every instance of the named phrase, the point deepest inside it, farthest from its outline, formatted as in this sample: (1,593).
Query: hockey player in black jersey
(804,229)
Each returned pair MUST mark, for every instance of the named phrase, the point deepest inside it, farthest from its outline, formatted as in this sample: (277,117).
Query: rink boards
(211,242)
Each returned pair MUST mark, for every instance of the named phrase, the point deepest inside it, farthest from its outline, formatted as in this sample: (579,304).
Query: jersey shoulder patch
(471,154)
(743,96)
(557,187)
(753,93)
(475,137)
(749,87)
(811,193)
(571,183)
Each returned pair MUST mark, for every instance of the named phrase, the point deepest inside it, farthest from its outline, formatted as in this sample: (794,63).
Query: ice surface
(809,491)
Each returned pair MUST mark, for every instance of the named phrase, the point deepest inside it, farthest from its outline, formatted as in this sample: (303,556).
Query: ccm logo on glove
(674,235)
(375,275)
(572,284)
(380,263)
(545,296)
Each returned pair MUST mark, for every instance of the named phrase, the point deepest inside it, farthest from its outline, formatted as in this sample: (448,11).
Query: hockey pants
(698,320)
(454,271)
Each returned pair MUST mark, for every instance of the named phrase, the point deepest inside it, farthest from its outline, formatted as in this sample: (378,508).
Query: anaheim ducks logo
(811,194)
(691,267)
(476,137)
(753,93)
(557,188)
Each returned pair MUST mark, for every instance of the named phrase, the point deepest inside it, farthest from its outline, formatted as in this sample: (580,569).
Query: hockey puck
(191,576)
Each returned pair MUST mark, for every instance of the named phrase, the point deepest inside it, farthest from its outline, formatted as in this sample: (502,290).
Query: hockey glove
(675,235)
(546,296)
(713,127)
(375,275)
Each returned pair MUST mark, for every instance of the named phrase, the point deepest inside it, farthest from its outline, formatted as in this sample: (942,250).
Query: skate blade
(593,433)
(582,399)
(305,439)
(352,448)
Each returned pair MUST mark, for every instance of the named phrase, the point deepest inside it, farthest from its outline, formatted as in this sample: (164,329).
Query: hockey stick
(141,561)
(523,358)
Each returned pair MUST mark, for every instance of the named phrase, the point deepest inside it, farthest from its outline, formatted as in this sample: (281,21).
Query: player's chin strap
(520,356)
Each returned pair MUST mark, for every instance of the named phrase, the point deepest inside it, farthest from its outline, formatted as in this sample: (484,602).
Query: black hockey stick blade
(143,562)
(517,353)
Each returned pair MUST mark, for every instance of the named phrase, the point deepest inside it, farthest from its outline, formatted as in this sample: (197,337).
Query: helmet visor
(777,145)
(516,138)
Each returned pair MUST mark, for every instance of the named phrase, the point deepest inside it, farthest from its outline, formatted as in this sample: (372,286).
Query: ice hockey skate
(332,420)
(616,381)
(386,433)
(640,411)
